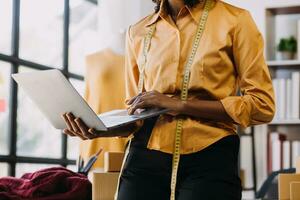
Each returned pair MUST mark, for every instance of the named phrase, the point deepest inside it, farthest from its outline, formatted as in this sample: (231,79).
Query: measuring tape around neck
(184,93)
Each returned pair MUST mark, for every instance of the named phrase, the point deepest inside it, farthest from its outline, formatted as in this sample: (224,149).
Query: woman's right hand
(77,128)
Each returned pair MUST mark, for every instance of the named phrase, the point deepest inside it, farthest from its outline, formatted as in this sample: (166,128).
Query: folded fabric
(55,183)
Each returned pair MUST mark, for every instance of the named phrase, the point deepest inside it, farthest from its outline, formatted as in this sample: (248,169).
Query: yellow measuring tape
(184,93)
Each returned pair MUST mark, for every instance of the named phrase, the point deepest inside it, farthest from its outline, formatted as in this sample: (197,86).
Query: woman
(229,58)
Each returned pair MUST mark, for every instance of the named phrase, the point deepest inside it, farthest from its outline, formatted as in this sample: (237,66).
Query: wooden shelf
(284,10)
(284,63)
(286,122)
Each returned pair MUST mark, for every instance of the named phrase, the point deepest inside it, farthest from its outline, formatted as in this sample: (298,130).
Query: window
(23,168)
(55,34)
(4,97)
(3,169)
(83,33)
(5,23)
(41,31)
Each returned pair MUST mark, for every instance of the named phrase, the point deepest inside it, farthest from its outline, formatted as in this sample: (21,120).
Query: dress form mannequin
(105,84)
(105,91)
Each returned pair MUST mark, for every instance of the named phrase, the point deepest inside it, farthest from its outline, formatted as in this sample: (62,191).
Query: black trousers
(210,174)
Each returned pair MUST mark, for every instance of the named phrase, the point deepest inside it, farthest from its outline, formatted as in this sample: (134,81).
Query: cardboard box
(284,181)
(104,185)
(113,161)
(295,190)
(298,165)
(242,177)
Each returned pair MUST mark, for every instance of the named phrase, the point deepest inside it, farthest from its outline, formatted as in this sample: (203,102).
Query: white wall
(146,6)
(138,9)
(257,8)
(119,14)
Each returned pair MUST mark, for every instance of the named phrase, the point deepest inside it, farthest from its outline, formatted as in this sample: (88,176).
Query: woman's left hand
(153,99)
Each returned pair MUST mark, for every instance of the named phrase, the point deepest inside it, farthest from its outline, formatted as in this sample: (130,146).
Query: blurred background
(38,35)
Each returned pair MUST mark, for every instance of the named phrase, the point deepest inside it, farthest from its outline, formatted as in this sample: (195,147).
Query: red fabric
(55,183)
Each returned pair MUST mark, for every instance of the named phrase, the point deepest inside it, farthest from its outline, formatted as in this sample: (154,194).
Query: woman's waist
(190,124)
(162,129)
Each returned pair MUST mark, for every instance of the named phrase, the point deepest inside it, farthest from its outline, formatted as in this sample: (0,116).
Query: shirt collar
(195,12)
(161,13)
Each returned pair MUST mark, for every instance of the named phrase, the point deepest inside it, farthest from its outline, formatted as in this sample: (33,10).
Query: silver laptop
(54,95)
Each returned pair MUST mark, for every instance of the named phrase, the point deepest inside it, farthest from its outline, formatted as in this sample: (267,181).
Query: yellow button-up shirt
(229,59)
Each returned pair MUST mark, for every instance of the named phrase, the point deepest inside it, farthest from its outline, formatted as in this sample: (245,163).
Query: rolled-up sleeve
(256,104)
(131,68)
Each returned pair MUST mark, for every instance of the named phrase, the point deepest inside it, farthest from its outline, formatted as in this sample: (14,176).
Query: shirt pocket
(160,70)
(219,76)
(197,75)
